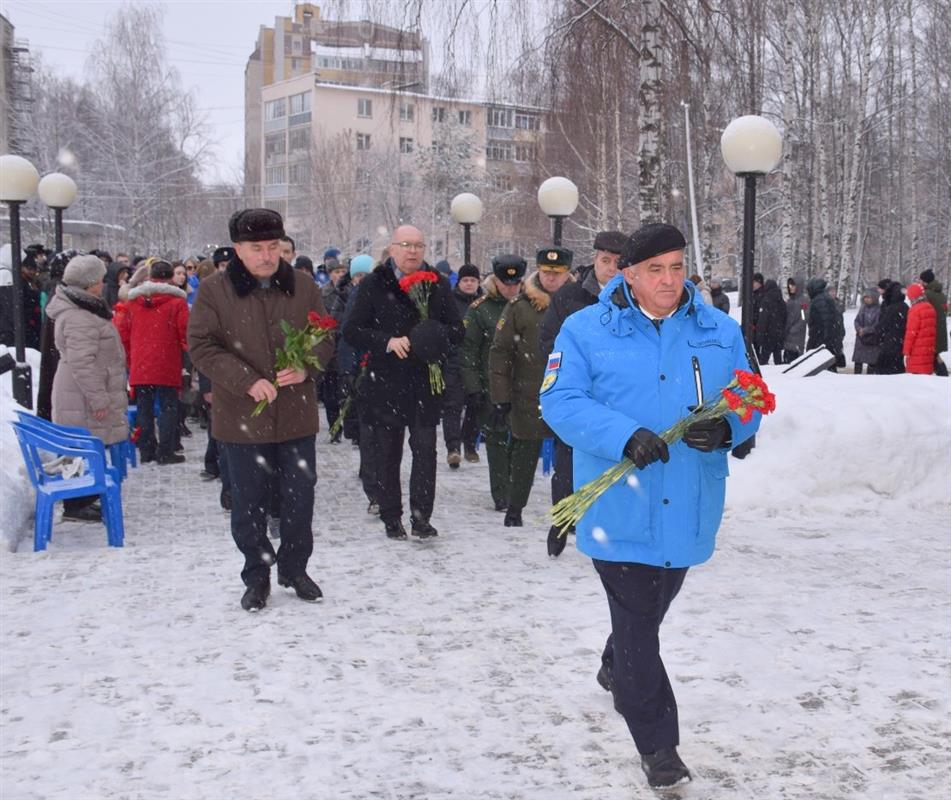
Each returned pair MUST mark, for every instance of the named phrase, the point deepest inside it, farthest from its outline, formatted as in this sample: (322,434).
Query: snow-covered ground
(810,656)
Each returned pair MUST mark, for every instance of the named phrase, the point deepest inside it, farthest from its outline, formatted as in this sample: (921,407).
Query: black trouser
(369,465)
(639,596)
(562,480)
(211,450)
(764,351)
(790,355)
(167,420)
(859,365)
(329,394)
(460,423)
(254,469)
(422,479)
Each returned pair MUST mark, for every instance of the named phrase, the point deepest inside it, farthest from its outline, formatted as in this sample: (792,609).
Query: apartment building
(346,155)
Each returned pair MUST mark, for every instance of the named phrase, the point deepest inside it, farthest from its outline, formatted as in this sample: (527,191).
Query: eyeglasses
(411,245)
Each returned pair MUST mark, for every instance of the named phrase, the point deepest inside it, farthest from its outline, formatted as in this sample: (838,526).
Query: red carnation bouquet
(298,349)
(418,286)
(345,408)
(746,393)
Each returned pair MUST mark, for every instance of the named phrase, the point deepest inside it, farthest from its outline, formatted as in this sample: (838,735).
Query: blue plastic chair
(51,489)
(117,451)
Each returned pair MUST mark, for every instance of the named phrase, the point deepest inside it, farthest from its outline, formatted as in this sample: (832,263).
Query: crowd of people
(598,358)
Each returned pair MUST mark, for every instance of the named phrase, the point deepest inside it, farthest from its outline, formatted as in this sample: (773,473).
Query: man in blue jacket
(623,370)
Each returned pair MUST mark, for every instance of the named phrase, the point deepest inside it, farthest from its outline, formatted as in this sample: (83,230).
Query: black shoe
(306,589)
(225,500)
(84,514)
(423,529)
(145,459)
(255,597)
(513,518)
(184,430)
(556,541)
(472,455)
(208,475)
(395,530)
(664,768)
(501,505)
(174,458)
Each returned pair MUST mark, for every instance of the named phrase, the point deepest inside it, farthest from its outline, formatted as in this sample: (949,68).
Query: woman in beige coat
(89,389)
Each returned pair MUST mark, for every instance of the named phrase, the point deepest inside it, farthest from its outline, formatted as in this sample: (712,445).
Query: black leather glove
(556,542)
(708,434)
(645,447)
(476,400)
(499,416)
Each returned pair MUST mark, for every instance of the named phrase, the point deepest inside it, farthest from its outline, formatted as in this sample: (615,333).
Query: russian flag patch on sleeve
(554,361)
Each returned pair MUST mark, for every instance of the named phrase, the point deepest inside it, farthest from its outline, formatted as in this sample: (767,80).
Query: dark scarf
(244,282)
(86,301)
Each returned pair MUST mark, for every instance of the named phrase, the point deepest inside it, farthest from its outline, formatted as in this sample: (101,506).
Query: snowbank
(16,493)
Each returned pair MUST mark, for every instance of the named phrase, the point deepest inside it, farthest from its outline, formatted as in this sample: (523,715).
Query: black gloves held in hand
(708,434)
(645,447)
(499,416)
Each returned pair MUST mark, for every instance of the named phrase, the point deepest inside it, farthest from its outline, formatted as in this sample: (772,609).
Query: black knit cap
(469,271)
(222,254)
(610,241)
(255,225)
(509,268)
(653,239)
(927,276)
(884,283)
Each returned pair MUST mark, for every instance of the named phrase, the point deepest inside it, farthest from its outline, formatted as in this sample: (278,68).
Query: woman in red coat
(921,332)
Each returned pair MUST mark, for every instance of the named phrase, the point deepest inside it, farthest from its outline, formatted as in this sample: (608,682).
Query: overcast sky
(208,43)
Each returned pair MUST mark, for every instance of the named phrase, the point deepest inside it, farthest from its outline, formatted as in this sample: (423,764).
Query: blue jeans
(146,398)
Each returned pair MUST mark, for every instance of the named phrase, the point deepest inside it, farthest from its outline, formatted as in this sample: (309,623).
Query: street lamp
(18,180)
(466,209)
(58,191)
(751,146)
(558,198)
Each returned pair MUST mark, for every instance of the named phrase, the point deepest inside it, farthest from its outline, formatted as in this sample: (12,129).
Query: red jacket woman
(153,329)
(921,332)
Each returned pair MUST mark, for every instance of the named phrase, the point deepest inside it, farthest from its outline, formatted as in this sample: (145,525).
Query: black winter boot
(664,768)
(513,518)
(305,588)
(255,597)
(423,529)
(395,530)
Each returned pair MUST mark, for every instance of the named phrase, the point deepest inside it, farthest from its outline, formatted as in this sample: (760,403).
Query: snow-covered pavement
(810,657)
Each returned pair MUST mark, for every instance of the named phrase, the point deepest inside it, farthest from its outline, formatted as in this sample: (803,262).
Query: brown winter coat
(91,374)
(233,334)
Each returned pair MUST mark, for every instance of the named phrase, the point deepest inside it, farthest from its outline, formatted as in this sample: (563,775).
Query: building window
(274,176)
(362,176)
(500,118)
(406,144)
(498,151)
(465,117)
(524,152)
(298,139)
(275,109)
(406,180)
(295,64)
(298,174)
(507,215)
(502,183)
(407,112)
(363,141)
(296,46)
(364,108)
(363,210)
(299,103)
(439,114)
(528,122)
(274,147)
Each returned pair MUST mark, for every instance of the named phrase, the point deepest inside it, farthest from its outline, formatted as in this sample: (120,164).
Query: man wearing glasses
(385,323)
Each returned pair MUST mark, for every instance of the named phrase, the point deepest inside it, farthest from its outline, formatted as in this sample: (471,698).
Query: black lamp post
(751,147)
(18,181)
(58,191)
(466,209)
(557,198)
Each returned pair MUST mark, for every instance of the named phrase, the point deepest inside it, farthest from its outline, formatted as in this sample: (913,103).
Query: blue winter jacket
(613,372)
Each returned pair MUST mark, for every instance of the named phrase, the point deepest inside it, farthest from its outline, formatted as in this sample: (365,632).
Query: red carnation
(733,400)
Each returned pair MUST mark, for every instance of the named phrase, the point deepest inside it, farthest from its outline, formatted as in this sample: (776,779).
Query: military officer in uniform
(516,369)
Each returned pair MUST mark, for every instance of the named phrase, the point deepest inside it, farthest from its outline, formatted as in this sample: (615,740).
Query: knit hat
(653,239)
(255,225)
(914,291)
(927,276)
(331,252)
(469,271)
(610,241)
(161,271)
(84,271)
(222,254)
(758,278)
(884,283)
(443,266)
(360,263)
